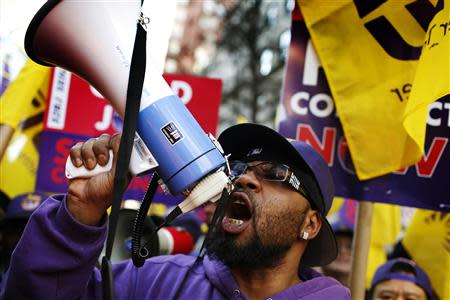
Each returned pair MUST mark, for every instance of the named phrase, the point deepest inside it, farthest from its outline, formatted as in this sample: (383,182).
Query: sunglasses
(270,171)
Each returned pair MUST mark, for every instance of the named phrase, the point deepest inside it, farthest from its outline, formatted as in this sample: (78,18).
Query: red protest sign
(201,96)
(76,111)
(75,107)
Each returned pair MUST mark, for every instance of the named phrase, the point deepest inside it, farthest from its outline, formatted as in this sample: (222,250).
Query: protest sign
(307,112)
(22,107)
(76,112)
(370,52)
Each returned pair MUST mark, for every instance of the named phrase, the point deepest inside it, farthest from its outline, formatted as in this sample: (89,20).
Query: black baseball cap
(249,142)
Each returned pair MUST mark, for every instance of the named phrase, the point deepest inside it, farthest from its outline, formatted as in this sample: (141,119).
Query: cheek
(273,202)
(277,224)
(269,209)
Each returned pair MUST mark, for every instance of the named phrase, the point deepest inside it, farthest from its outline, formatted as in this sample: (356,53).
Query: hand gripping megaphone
(94,39)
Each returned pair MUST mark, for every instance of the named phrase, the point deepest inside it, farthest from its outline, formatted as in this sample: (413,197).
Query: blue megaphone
(98,48)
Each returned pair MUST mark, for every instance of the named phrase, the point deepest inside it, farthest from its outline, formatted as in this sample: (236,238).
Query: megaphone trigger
(142,160)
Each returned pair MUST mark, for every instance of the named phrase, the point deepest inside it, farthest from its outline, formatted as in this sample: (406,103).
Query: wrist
(84,213)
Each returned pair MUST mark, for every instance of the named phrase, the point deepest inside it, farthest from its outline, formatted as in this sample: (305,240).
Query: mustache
(247,191)
(244,190)
(224,203)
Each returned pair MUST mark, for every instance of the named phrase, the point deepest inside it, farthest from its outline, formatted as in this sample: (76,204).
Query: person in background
(340,267)
(271,231)
(400,279)
(18,212)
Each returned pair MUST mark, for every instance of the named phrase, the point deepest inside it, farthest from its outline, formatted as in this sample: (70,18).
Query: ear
(311,225)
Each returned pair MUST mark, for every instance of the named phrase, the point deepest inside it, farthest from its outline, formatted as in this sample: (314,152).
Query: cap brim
(239,139)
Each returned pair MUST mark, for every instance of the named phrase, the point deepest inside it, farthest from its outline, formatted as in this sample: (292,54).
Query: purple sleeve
(56,257)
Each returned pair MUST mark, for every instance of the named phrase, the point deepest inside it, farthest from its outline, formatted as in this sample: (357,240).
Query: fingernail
(90,163)
(102,159)
(78,162)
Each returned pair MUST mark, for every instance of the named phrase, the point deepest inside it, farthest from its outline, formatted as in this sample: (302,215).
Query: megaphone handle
(141,161)
(81,172)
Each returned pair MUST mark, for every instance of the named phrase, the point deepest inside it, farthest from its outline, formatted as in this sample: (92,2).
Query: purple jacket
(56,257)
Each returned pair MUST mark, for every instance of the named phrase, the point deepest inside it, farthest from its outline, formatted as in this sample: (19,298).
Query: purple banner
(307,113)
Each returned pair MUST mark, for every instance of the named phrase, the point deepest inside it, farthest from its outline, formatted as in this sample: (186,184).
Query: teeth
(236,222)
(240,202)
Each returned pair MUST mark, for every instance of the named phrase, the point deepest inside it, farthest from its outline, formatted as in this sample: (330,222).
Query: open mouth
(238,213)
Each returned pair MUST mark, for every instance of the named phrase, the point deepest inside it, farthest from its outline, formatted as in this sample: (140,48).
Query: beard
(254,254)
(280,233)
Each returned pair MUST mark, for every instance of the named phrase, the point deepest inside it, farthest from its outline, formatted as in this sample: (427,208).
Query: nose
(248,180)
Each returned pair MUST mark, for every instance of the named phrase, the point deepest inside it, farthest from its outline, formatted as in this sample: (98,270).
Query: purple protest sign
(307,113)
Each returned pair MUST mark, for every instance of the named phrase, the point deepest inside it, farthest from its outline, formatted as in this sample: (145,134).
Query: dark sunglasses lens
(272,171)
(237,168)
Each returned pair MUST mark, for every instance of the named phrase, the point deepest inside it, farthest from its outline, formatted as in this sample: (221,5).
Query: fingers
(94,150)
(114,144)
(75,155)
(100,148)
(88,155)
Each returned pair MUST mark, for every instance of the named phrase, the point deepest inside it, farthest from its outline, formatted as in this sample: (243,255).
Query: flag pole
(360,249)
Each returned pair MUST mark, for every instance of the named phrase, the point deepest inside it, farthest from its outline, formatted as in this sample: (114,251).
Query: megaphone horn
(97,47)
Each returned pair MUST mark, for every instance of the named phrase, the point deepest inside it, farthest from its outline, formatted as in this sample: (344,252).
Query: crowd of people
(271,240)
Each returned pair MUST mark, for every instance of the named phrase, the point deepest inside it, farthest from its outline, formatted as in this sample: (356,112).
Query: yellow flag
(385,230)
(369,51)
(338,202)
(427,241)
(16,103)
(432,79)
(22,107)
